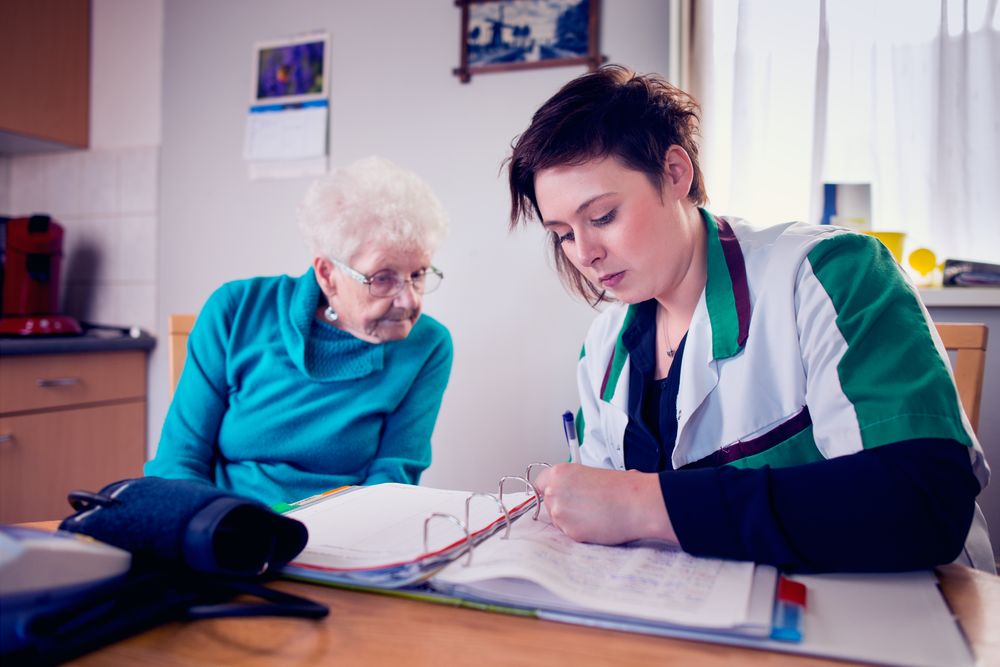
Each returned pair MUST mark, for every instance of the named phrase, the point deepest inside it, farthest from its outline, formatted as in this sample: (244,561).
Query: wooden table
(373,629)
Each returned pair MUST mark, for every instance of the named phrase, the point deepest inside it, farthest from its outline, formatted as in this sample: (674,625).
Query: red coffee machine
(31,252)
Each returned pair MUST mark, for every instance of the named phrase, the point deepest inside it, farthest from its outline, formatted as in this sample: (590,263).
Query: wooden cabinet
(45,72)
(68,421)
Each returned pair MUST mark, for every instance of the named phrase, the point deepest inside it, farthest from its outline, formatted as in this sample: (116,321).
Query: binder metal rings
(528,485)
(503,508)
(532,466)
(498,499)
(455,520)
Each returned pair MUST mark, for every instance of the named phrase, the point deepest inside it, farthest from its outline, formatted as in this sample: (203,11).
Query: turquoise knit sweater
(276,406)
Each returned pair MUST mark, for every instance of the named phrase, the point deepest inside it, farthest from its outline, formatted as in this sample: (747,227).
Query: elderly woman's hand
(605,506)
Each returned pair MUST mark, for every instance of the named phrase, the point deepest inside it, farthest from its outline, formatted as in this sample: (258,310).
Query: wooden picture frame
(507,35)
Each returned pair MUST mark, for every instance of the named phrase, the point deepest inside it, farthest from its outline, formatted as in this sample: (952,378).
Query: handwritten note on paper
(540,566)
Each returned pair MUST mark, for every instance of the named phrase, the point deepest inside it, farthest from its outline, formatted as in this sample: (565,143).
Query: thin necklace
(666,335)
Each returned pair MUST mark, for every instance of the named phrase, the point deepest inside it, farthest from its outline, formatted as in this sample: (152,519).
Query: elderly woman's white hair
(370,200)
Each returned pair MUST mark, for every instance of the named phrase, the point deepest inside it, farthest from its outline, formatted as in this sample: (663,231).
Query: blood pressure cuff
(197,552)
(179,524)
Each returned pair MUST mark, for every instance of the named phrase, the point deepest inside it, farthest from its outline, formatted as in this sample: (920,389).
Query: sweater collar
(335,356)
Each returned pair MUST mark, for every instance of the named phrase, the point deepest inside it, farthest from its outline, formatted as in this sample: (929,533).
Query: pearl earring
(330,315)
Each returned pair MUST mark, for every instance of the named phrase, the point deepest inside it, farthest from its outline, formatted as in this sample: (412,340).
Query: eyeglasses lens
(390,283)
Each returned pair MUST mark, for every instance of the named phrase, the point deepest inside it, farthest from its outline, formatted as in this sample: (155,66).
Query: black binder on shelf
(964,273)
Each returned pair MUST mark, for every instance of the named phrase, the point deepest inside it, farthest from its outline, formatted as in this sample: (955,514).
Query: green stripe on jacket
(891,372)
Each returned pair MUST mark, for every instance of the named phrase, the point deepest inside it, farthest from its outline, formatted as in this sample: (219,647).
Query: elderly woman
(772,394)
(294,386)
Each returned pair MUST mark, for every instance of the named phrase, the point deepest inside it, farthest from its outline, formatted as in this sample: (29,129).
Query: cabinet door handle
(58,382)
(6,437)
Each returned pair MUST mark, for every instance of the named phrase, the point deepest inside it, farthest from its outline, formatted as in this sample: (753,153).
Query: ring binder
(369,538)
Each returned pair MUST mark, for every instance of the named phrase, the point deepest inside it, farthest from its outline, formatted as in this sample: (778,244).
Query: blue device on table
(43,572)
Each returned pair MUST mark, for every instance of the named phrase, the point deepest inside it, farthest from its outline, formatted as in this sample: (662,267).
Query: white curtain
(901,94)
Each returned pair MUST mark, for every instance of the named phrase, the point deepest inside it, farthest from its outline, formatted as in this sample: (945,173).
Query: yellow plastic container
(893,241)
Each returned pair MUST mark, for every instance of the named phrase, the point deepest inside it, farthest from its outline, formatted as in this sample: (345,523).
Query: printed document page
(541,567)
(382,525)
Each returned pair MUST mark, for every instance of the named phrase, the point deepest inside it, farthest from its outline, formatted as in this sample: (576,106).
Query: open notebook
(416,541)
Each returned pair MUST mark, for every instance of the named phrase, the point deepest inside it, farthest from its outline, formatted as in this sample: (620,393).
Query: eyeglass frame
(367,280)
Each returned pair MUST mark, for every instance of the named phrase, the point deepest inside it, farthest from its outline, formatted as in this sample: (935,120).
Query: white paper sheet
(540,567)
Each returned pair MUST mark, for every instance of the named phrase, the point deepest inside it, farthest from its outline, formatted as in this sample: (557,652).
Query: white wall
(517,333)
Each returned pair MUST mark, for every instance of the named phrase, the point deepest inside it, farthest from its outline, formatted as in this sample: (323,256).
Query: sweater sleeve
(404,450)
(903,506)
(187,447)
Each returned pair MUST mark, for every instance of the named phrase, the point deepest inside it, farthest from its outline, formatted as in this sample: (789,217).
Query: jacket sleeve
(187,447)
(901,506)
(874,374)
(404,450)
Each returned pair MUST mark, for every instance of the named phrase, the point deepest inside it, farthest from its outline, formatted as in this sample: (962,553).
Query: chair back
(178,328)
(968,341)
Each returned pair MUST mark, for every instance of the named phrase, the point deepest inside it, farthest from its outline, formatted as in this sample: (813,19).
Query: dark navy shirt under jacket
(650,437)
(871,511)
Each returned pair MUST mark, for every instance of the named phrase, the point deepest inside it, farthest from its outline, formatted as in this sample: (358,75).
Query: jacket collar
(727,294)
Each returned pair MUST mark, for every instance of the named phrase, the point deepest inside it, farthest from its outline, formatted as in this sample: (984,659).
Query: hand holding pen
(605,506)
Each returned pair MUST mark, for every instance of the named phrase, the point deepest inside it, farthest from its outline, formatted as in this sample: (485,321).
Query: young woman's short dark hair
(610,112)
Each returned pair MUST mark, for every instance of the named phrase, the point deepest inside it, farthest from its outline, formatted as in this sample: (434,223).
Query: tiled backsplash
(107,202)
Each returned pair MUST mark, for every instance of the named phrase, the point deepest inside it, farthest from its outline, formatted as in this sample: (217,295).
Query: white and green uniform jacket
(808,343)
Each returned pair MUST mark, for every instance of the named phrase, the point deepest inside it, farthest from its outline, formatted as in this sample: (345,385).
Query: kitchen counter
(94,340)
(72,416)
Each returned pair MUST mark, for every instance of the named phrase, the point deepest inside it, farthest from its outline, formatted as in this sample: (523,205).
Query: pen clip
(569,426)
(569,430)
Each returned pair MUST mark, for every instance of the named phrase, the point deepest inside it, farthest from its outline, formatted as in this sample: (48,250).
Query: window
(902,94)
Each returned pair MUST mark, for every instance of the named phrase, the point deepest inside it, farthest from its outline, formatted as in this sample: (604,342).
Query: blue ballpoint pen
(569,428)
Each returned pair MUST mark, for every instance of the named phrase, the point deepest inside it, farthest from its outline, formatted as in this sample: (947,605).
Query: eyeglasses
(387,283)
